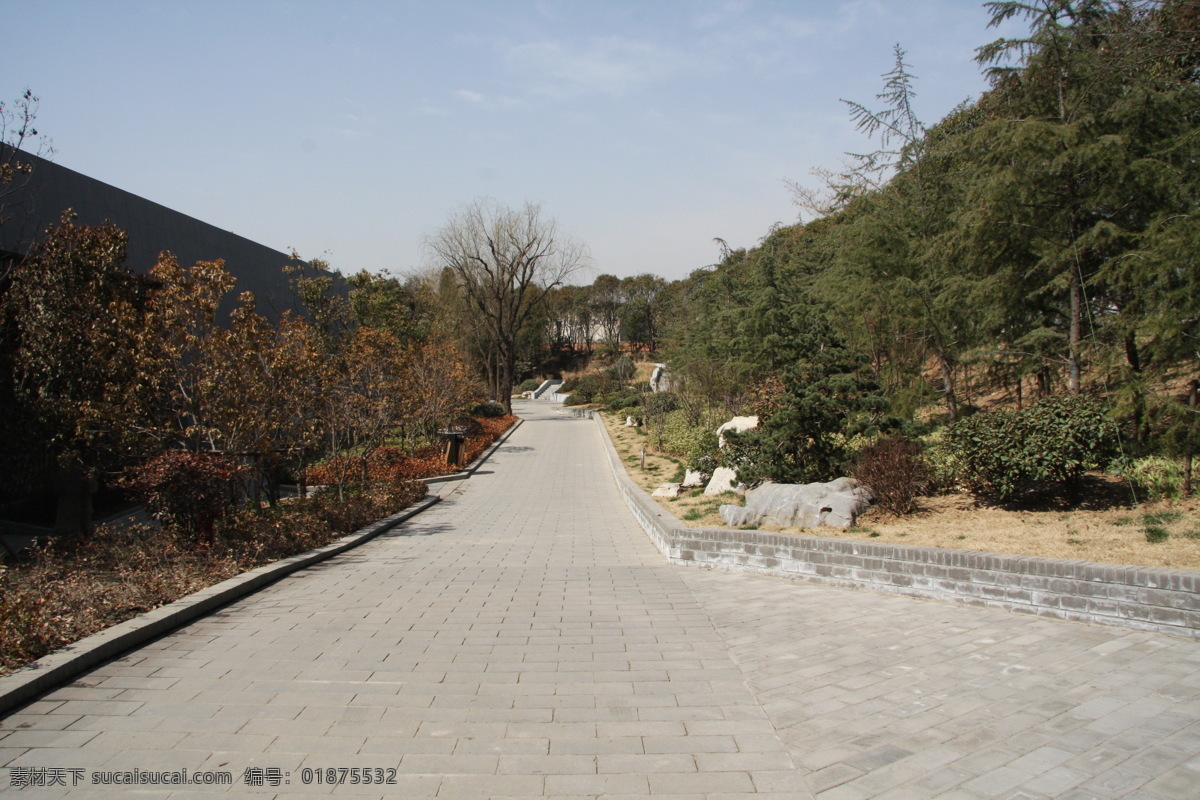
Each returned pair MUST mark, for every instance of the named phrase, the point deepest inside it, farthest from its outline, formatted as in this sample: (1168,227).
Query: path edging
(1141,598)
(58,667)
(54,669)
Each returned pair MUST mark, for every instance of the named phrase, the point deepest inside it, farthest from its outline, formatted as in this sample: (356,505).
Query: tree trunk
(948,387)
(74,488)
(1074,359)
(507,357)
(1133,358)
(1188,445)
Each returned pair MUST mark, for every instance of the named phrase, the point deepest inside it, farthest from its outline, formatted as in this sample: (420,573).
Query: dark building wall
(41,197)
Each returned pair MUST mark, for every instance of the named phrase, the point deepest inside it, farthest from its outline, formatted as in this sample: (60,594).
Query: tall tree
(76,313)
(506,260)
(1048,164)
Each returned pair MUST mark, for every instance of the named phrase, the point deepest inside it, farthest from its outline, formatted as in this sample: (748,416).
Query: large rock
(789,505)
(666,490)
(737,425)
(693,479)
(723,480)
(660,379)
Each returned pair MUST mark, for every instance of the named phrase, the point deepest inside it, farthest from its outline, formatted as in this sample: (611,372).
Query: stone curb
(1140,598)
(57,668)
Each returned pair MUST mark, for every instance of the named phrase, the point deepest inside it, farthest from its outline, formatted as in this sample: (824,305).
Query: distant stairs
(550,386)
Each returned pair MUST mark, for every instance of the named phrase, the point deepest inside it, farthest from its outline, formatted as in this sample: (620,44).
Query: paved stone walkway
(524,639)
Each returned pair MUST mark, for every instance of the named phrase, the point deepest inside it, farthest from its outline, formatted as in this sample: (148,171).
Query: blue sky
(352,130)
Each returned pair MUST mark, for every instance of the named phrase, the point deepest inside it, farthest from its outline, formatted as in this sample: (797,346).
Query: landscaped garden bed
(76,586)
(1109,527)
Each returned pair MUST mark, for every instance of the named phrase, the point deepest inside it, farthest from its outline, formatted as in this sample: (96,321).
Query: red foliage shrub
(188,492)
(72,588)
(896,473)
(389,465)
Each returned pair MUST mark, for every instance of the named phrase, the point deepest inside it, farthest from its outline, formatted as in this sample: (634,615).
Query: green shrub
(659,404)
(621,399)
(680,437)
(943,462)
(587,388)
(623,369)
(528,385)
(487,408)
(1154,477)
(705,455)
(1005,453)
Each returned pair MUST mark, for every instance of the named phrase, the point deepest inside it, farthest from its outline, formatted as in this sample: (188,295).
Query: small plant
(623,369)
(1155,477)
(1156,534)
(1161,517)
(895,472)
(487,409)
(693,515)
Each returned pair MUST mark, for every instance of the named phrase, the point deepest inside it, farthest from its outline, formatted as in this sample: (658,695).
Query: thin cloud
(612,66)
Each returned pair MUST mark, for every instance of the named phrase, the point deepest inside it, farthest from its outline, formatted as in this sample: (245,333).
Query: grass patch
(1156,534)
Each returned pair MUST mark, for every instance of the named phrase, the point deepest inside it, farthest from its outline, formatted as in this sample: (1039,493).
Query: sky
(352,130)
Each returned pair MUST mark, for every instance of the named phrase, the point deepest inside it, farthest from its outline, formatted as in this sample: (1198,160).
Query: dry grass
(1113,535)
(1107,527)
(693,507)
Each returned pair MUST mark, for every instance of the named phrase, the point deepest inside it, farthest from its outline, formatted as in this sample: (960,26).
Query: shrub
(74,587)
(1155,477)
(660,403)
(679,436)
(488,408)
(1052,442)
(895,472)
(528,385)
(188,492)
(587,388)
(945,467)
(705,454)
(623,369)
(621,399)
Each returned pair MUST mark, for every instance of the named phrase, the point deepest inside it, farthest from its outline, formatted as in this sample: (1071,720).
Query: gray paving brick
(524,638)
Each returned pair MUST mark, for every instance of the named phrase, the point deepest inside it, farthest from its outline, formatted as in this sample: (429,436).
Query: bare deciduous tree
(506,260)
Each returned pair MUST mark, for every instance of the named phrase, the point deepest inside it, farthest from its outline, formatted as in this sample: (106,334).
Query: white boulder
(737,425)
(837,503)
(723,480)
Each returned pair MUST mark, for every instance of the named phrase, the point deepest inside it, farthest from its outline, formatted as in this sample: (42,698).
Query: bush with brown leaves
(896,473)
(72,588)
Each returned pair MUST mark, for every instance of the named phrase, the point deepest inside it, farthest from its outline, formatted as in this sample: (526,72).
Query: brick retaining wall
(1144,598)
